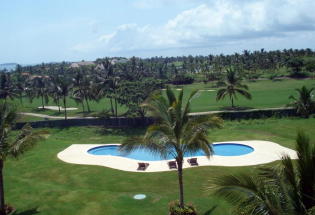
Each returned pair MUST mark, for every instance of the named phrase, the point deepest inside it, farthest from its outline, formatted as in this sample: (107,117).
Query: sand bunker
(57,108)
(175,89)
(207,90)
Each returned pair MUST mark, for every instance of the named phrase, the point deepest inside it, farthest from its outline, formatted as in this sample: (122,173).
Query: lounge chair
(172,164)
(142,166)
(193,162)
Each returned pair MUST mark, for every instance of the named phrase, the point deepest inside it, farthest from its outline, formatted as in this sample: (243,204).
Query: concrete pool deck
(264,152)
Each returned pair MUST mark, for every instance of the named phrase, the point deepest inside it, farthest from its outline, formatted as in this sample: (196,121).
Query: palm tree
(286,189)
(78,94)
(300,177)
(12,147)
(55,91)
(65,83)
(304,104)
(174,133)
(7,88)
(233,86)
(39,87)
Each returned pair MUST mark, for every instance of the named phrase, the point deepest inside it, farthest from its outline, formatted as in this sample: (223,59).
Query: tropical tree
(304,103)
(132,94)
(233,86)
(38,87)
(20,82)
(65,83)
(296,65)
(174,133)
(13,147)
(285,189)
(56,92)
(114,84)
(7,87)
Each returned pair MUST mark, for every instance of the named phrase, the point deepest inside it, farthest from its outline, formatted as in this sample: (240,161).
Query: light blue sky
(35,31)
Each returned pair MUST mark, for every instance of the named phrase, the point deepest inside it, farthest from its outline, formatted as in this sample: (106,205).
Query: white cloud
(210,24)
(152,4)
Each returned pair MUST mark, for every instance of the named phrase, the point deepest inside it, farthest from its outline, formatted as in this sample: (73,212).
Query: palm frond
(244,93)
(25,140)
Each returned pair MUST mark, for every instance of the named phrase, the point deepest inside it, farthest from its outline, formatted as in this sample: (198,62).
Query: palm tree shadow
(27,212)
(209,212)
(121,131)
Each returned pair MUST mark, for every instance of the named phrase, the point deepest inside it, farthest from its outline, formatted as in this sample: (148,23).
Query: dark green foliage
(296,65)
(287,189)
(304,103)
(310,66)
(232,87)
(180,79)
(175,209)
(7,88)
(12,147)
(174,133)
(132,94)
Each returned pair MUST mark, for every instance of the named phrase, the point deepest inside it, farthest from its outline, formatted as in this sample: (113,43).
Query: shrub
(182,79)
(175,209)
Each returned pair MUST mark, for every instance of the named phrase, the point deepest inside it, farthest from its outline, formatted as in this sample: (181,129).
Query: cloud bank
(219,23)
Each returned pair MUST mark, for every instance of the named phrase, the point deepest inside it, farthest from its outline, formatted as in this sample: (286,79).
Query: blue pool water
(225,149)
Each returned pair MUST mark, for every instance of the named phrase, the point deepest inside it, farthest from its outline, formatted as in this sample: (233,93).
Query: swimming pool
(223,149)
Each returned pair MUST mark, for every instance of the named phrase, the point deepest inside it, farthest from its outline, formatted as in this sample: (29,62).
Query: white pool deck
(264,152)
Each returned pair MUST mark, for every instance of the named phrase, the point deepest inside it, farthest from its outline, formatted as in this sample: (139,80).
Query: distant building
(82,63)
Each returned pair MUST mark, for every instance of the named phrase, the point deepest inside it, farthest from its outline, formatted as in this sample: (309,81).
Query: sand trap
(264,152)
(56,108)
(207,90)
(175,89)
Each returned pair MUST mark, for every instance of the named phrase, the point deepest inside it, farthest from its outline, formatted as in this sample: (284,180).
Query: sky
(35,31)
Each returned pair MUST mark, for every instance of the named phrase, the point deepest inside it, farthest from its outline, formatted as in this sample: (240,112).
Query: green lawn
(266,93)
(40,181)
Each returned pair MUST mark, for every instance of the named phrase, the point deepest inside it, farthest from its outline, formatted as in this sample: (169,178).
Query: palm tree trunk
(58,103)
(180,182)
(83,106)
(65,106)
(21,99)
(111,105)
(116,108)
(2,207)
(87,104)
(43,106)
(232,100)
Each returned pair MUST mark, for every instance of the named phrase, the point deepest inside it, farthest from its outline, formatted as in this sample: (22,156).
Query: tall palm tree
(38,87)
(285,189)
(232,87)
(56,92)
(174,133)
(12,147)
(66,84)
(7,87)
(78,94)
(300,175)
(304,104)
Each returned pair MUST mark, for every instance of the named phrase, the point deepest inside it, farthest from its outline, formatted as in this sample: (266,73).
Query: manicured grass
(266,93)
(39,180)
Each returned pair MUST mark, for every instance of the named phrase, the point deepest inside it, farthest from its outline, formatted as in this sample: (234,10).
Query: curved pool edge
(112,150)
(264,152)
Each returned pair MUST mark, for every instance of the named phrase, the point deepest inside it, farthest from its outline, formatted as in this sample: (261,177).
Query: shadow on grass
(209,212)
(121,131)
(27,212)
(236,108)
